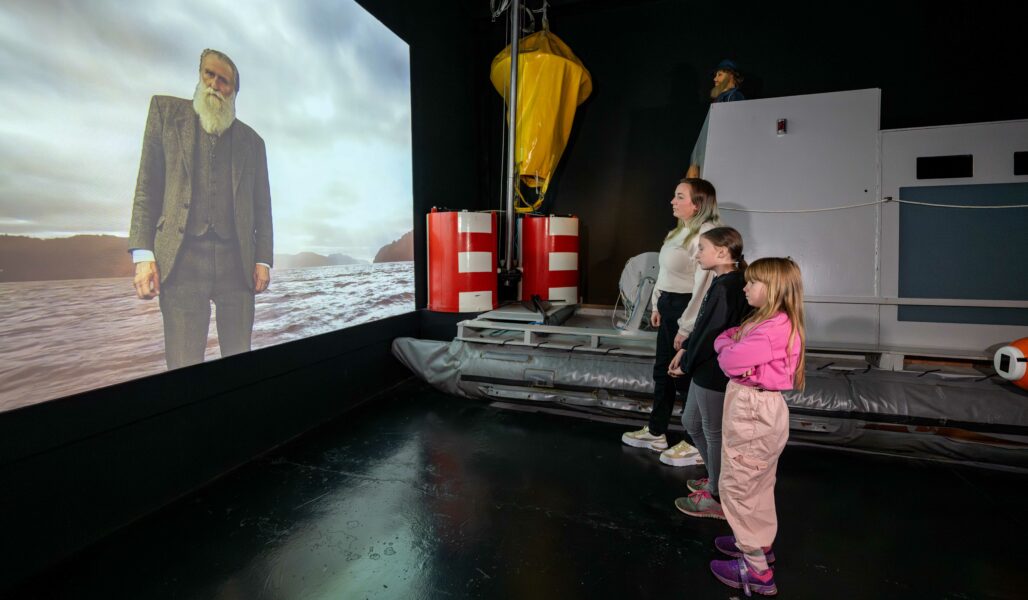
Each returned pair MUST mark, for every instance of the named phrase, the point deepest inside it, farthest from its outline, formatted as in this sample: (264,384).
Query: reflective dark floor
(421,495)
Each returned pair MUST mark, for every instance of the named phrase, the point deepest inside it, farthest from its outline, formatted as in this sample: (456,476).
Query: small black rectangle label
(945,167)
(1021,163)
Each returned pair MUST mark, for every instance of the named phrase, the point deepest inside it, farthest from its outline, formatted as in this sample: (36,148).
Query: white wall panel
(827,158)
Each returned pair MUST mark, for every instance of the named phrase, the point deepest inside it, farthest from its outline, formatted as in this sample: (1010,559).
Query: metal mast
(510,276)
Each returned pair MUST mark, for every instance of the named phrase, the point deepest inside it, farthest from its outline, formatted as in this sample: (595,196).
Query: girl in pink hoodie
(763,357)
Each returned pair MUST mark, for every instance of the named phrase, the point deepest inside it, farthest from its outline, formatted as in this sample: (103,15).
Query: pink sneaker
(700,504)
(696,485)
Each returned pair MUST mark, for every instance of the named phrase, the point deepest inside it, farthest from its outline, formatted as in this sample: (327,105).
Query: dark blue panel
(964,253)
(978,316)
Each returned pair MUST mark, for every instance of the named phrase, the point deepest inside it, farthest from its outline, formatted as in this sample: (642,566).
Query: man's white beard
(215,112)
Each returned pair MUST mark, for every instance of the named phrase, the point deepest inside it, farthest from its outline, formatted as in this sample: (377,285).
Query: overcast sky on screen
(322,81)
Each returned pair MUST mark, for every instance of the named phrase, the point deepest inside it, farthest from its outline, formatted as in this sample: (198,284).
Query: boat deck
(422,495)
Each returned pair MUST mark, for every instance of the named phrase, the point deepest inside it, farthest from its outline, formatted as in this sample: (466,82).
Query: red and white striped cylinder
(461,261)
(549,258)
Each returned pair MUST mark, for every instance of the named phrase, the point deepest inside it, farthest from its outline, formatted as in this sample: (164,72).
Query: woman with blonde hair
(676,299)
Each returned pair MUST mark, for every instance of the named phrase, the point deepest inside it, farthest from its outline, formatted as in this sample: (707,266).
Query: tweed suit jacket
(164,187)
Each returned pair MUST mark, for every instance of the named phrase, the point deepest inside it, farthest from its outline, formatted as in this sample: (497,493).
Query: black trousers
(670,306)
(207,270)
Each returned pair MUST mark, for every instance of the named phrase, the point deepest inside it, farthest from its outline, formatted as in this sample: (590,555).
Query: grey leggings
(702,419)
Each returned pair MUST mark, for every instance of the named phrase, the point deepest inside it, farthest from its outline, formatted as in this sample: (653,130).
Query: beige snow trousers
(754,430)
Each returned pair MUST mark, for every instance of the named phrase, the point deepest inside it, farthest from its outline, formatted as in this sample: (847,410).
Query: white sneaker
(644,439)
(681,454)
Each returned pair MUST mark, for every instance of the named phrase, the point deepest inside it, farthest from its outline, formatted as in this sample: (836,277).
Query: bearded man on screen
(201,217)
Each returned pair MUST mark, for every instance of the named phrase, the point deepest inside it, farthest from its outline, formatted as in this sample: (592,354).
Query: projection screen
(108,129)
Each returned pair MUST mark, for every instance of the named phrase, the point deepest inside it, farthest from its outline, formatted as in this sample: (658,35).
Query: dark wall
(444,108)
(75,469)
(650,61)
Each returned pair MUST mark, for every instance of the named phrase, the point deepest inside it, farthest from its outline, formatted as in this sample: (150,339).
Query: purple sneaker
(737,573)
(726,545)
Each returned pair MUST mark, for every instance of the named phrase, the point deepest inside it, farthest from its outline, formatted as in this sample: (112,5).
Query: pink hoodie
(762,351)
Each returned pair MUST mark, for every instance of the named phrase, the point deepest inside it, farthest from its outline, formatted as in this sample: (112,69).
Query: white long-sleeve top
(680,273)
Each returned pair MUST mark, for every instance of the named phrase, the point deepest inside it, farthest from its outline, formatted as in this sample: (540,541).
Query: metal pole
(512,112)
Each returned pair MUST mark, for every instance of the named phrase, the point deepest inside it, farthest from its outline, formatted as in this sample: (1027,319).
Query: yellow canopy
(552,82)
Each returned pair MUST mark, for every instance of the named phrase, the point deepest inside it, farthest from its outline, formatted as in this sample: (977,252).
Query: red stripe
(560,279)
(476,242)
(554,279)
(563,243)
(476,282)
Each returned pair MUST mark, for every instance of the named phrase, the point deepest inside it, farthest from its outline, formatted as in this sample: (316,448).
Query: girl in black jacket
(724,306)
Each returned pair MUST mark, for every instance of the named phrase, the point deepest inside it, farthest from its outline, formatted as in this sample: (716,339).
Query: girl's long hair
(705,198)
(784,284)
(728,237)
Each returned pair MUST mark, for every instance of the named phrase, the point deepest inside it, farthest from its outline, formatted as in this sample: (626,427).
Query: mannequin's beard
(215,111)
(721,88)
